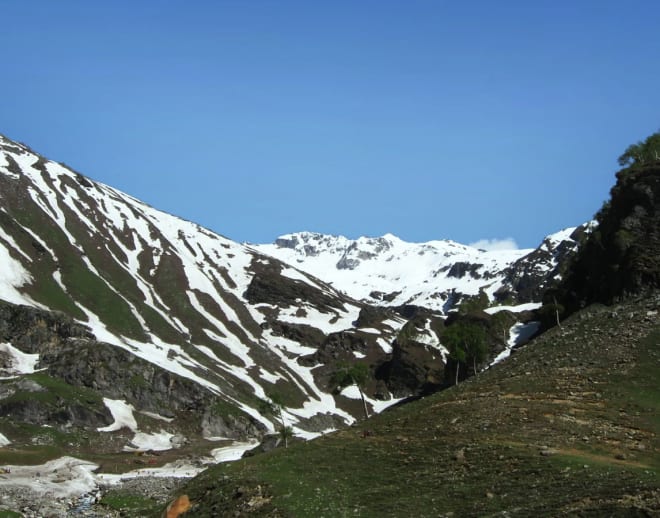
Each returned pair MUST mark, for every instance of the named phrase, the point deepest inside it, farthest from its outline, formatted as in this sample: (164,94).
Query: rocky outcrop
(414,368)
(622,257)
(300,333)
(270,287)
(34,330)
(460,269)
(118,374)
(340,346)
(79,371)
(372,316)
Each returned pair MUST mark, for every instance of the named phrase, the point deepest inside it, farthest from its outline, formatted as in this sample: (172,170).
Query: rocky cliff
(621,258)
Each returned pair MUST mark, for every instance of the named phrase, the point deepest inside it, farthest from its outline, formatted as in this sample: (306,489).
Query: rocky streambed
(34,504)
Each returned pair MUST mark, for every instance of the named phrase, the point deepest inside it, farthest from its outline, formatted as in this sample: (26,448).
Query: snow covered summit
(437,274)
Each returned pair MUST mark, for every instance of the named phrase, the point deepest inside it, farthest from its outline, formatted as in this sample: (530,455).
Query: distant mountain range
(436,275)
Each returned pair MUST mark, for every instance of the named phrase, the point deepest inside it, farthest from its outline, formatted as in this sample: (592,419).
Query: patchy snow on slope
(156,416)
(378,405)
(297,275)
(562,235)
(326,322)
(285,344)
(168,356)
(269,377)
(182,468)
(384,345)
(13,276)
(4,441)
(122,413)
(518,334)
(21,363)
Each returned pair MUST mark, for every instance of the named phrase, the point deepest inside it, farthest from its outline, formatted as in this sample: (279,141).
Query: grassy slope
(567,426)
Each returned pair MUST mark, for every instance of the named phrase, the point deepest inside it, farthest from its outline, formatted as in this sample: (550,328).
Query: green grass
(129,503)
(30,455)
(91,291)
(477,449)
(640,389)
(82,285)
(61,388)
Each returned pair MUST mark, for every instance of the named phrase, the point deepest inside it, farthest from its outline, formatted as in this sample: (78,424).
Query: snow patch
(158,441)
(233,452)
(4,441)
(122,413)
(12,277)
(518,334)
(60,478)
(157,416)
(377,405)
(529,306)
(21,363)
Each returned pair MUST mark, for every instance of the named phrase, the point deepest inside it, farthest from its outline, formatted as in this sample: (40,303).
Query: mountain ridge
(120,266)
(379,270)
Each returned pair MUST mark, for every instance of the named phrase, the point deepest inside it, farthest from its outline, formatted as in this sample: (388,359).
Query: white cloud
(496,244)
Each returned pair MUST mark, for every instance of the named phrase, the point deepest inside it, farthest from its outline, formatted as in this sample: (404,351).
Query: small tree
(352,374)
(643,152)
(466,341)
(274,405)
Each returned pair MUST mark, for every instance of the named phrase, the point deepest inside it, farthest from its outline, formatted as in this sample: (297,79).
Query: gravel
(38,505)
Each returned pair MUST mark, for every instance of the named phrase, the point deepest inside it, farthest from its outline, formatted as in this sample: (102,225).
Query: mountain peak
(387,270)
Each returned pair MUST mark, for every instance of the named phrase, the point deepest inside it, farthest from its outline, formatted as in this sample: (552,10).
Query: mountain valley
(133,341)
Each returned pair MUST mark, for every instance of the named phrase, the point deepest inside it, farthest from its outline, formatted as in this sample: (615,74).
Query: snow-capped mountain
(151,329)
(436,274)
(180,307)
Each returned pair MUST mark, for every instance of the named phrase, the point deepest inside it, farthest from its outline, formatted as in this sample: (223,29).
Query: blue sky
(426,119)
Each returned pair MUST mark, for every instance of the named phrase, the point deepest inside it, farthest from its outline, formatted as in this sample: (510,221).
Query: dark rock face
(60,413)
(414,368)
(384,297)
(337,347)
(286,243)
(75,359)
(238,427)
(34,330)
(353,255)
(300,333)
(372,316)
(121,375)
(461,269)
(622,257)
(270,287)
(347,263)
(118,374)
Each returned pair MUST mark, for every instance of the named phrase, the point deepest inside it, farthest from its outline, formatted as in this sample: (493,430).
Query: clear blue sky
(427,119)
